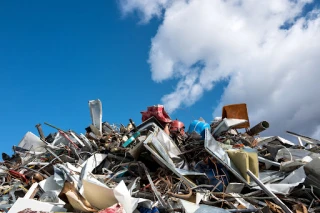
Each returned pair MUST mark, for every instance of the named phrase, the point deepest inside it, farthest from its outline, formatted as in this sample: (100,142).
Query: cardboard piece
(99,196)
(77,204)
(70,193)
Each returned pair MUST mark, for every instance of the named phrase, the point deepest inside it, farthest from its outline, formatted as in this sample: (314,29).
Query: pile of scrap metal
(159,166)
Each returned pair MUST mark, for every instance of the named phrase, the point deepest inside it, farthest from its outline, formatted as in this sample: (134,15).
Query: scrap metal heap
(159,166)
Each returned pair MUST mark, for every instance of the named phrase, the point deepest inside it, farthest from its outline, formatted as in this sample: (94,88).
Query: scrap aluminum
(162,166)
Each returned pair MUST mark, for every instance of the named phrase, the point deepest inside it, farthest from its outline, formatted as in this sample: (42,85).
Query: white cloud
(275,71)
(146,8)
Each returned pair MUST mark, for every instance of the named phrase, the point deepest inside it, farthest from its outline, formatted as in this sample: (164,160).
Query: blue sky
(57,55)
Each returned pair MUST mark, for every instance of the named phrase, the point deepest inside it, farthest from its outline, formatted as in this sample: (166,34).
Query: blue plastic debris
(198,127)
(147,210)
(217,174)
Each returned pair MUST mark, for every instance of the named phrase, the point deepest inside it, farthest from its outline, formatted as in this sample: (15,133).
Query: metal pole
(263,125)
(269,193)
(38,126)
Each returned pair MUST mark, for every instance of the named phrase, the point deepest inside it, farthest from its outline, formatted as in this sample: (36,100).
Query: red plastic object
(116,208)
(158,112)
(18,175)
(238,146)
(177,127)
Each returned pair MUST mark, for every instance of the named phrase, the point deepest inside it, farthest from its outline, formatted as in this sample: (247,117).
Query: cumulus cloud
(268,51)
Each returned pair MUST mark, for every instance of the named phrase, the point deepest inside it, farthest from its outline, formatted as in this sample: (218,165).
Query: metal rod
(63,133)
(49,163)
(153,187)
(37,163)
(52,126)
(25,167)
(263,160)
(255,201)
(269,193)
